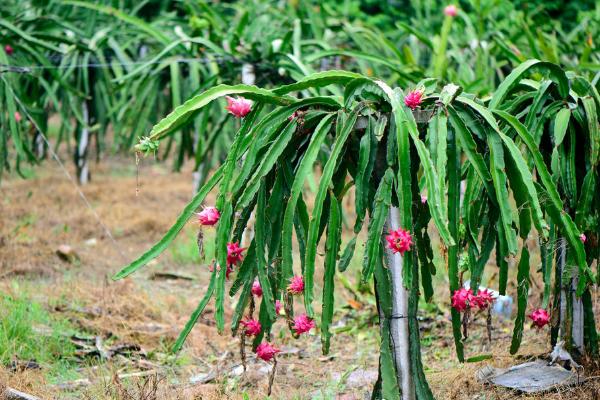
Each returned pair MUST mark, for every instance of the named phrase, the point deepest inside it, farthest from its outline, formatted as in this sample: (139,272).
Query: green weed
(29,333)
(184,250)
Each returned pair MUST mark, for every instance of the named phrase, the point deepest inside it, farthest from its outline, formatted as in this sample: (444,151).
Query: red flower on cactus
(239,107)
(209,216)
(234,253)
(296,285)
(256,289)
(303,324)
(483,299)
(252,327)
(462,299)
(540,317)
(399,241)
(583,238)
(17,117)
(413,99)
(278,307)
(451,10)
(266,351)
(9,50)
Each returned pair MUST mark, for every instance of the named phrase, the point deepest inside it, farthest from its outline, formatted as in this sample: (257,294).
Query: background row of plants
(110,68)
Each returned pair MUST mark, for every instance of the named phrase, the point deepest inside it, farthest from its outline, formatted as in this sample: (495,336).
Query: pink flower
(462,299)
(252,327)
(583,238)
(296,285)
(240,107)
(451,10)
(9,50)
(413,99)
(483,299)
(303,324)
(17,117)
(234,253)
(423,199)
(294,115)
(209,216)
(540,317)
(278,307)
(399,241)
(256,289)
(266,351)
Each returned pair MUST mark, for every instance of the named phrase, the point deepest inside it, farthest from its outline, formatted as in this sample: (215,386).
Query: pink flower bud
(266,351)
(239,107)
(234,253)
(9,50)
(209,216)
(483,299)
(303,324)
(540,317)
(17,117)
(256,289)
(252,327)
(583,238)
(296,285)
(462,299)
(413,99)
(278,307)
(451,10)
(423,199)
(399,241)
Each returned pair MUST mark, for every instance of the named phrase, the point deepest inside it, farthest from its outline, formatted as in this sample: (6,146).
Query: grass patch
(29,333)
(184,250)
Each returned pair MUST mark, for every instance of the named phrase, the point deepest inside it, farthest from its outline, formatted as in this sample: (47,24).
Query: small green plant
(185,250)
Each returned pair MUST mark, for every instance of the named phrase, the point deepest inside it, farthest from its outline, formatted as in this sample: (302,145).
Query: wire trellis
(23,69)
(68,175)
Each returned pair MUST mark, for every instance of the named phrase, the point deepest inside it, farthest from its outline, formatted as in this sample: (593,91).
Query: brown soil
(40,214)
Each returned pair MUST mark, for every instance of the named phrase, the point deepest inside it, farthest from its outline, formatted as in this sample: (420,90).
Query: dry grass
(44,212)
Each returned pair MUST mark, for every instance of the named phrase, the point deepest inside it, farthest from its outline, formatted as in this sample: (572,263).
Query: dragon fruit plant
(395,149)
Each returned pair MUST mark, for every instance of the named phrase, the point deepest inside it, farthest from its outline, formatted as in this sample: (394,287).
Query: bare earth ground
(40,214)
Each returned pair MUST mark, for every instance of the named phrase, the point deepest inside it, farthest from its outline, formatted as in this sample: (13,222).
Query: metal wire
(67,174)
(4,68)
(400,317)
